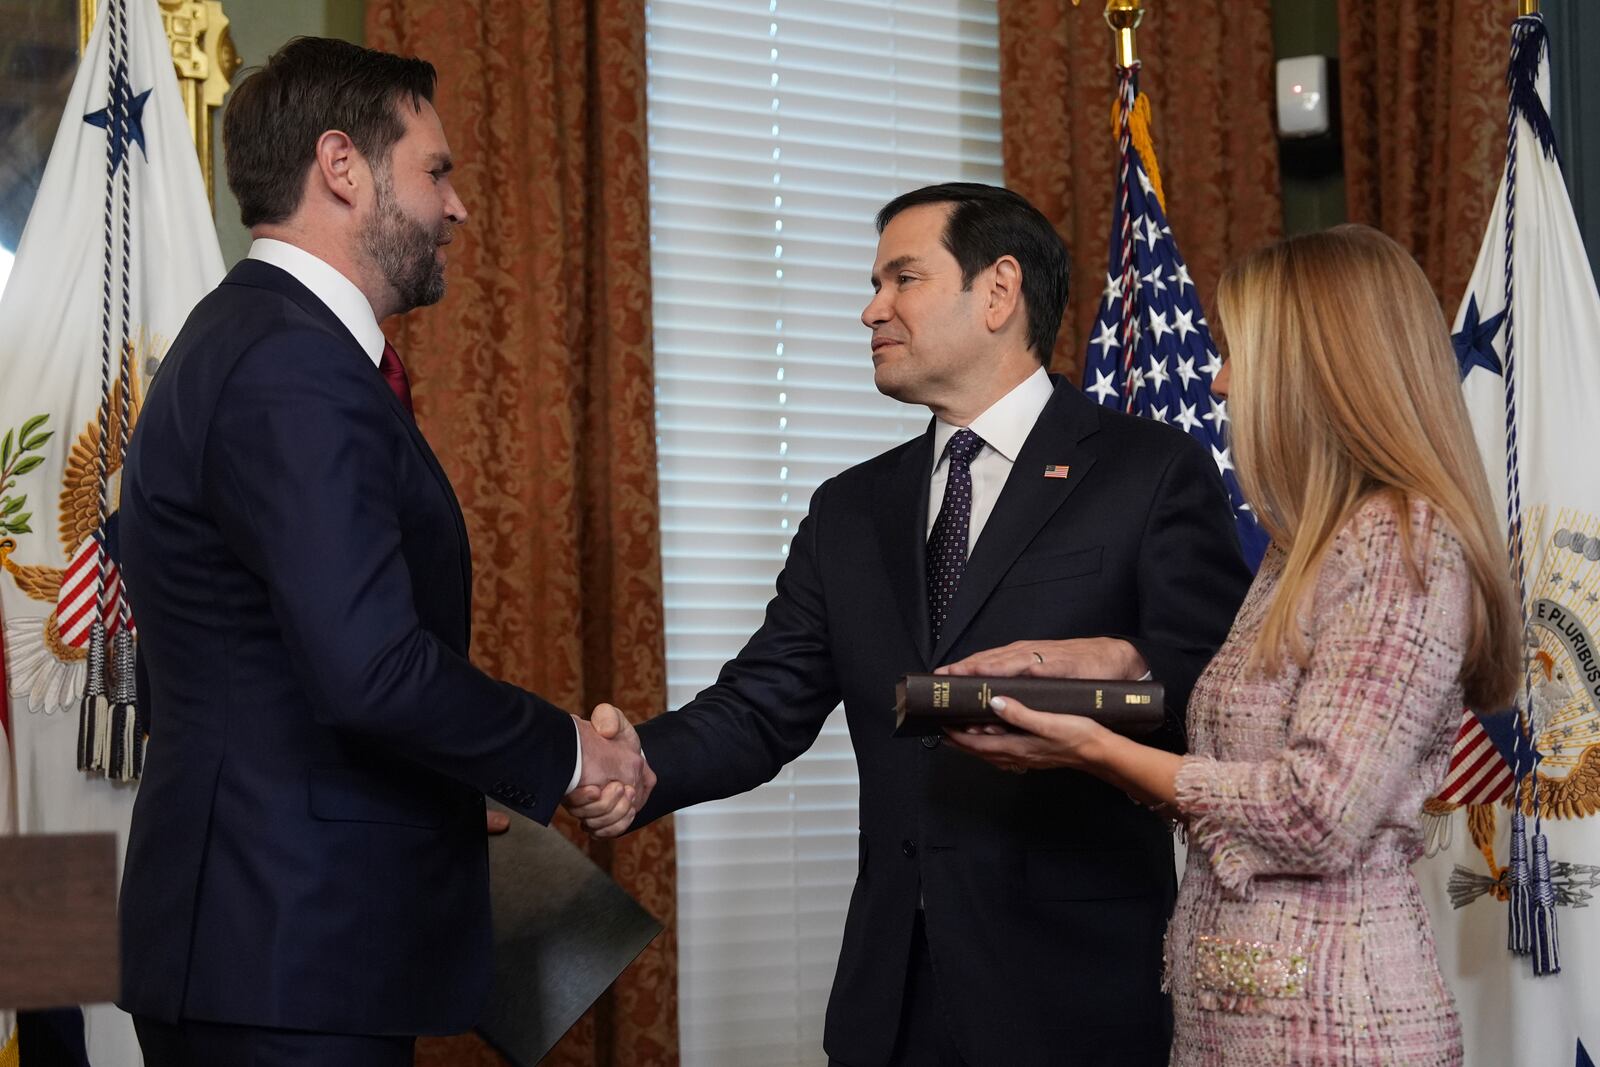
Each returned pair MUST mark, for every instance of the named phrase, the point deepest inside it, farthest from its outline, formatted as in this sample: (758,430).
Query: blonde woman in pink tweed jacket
(1383,605)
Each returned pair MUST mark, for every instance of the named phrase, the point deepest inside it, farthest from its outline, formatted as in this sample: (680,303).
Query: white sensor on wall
(1304,97)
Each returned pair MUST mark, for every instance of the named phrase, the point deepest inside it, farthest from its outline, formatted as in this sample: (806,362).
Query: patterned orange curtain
(1424,101)
(1208,71)
(533,380)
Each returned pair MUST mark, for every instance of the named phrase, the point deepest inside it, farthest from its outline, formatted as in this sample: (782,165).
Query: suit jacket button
(931,741)
(909,847)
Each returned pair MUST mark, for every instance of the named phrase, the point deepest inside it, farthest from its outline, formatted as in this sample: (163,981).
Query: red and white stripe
(1477,774)
(79,593)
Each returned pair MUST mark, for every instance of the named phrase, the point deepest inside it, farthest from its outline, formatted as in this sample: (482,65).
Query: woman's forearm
(1147,774)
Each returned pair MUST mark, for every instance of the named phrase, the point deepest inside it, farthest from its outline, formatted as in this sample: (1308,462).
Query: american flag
(1152,352)
(1478,771)
(80,593)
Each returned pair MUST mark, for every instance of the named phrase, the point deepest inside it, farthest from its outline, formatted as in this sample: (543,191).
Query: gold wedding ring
(1039,658)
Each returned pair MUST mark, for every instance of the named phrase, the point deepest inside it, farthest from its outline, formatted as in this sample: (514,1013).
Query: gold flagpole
(1527,7)
(205,60)
(1123,16)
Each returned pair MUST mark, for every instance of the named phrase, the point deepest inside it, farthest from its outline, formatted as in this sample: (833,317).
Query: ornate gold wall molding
(204,57)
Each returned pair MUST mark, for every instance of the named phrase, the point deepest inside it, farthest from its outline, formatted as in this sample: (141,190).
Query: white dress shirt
(338,293)
(349,305)
(1003,428)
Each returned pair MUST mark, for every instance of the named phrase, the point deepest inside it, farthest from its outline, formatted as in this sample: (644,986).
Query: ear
(340,169)
(1005,293)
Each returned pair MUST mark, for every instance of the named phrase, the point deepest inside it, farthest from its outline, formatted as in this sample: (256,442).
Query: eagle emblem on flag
(47,655)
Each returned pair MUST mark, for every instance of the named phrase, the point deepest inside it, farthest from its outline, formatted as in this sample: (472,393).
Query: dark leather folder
(563,932)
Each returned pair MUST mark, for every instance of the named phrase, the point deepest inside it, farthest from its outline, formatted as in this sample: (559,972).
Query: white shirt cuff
(577,771)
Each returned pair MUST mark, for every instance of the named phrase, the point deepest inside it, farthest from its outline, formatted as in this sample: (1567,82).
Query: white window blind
(777,129)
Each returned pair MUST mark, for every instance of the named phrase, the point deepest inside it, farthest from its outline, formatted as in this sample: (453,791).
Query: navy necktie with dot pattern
(947,544)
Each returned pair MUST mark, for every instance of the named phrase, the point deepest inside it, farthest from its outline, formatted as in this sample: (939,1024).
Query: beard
(405,250)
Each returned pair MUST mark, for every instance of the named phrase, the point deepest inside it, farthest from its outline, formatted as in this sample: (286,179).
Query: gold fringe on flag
(1139,128)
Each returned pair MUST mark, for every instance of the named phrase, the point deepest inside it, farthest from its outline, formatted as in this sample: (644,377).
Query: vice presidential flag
(1152,352)
(118,248)
(1527,339)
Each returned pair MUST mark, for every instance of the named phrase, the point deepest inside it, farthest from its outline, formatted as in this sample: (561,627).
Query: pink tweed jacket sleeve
(1306,782)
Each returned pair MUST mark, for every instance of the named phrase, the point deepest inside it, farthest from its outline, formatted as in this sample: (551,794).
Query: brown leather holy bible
(931,703)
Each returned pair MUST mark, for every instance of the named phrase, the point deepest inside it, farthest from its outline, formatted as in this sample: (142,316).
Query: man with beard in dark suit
(307,876)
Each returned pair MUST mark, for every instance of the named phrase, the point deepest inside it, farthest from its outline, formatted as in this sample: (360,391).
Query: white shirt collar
(1007,423)
(339,293)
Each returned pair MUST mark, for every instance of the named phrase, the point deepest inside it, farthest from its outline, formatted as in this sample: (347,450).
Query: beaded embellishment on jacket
(1249,969)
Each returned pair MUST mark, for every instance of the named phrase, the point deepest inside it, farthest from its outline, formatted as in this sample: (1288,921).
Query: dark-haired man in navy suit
(307,878)
(998,919)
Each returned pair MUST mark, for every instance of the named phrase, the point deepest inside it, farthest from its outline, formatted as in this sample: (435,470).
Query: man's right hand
(616,778)
(1076,657)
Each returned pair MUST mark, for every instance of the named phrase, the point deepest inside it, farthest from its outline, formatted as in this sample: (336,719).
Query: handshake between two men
(615,779)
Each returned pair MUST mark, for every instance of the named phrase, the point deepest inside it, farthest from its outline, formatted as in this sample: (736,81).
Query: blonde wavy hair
(1344,387)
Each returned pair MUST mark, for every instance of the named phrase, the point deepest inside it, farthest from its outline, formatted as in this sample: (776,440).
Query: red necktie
(395,374)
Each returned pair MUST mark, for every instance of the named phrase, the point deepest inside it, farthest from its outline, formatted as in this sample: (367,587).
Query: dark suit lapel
(266,276)
(902,520)
(1026,503)
(463,546)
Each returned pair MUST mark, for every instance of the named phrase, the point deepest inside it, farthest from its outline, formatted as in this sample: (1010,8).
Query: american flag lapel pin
(1056,470)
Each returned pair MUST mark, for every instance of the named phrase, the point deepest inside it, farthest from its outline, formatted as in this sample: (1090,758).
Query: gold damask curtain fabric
(1208,70)
(1424,102)
(533,380)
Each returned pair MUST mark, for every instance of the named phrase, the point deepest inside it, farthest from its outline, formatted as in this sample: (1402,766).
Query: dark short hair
(987,222)
(307,87)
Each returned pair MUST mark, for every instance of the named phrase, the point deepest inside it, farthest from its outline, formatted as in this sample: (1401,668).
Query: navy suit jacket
(307,848)
(1046,894)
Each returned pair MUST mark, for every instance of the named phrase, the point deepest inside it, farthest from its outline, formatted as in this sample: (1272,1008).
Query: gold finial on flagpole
(1123,17)
(1527,7)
